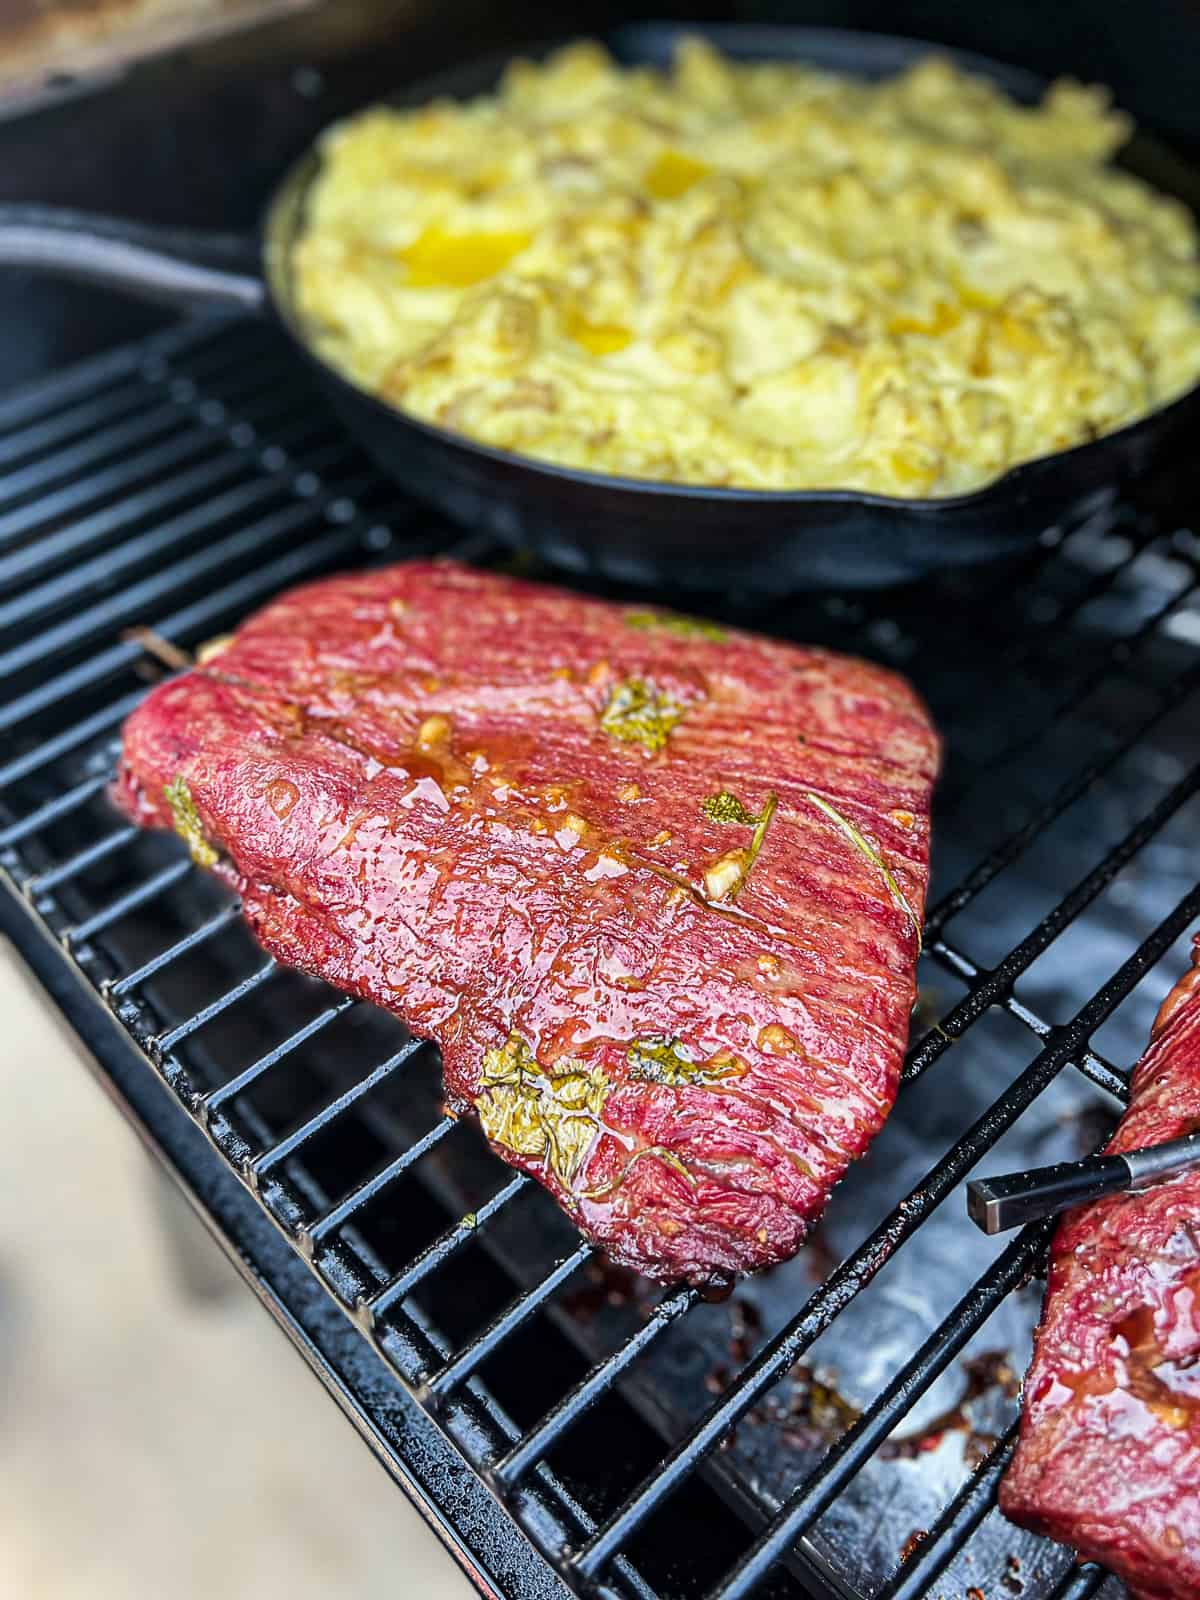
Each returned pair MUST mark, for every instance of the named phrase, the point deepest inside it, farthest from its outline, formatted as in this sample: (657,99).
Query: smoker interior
(839,1425)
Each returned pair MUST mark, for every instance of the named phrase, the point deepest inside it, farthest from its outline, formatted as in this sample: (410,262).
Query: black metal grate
(178,483)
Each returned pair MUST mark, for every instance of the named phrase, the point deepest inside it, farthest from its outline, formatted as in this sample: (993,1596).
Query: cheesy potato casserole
(766,276)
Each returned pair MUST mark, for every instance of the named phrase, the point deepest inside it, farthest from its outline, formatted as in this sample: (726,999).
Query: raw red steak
(1109,1454)
(653,886)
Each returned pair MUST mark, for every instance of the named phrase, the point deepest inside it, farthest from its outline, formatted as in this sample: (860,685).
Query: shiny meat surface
(654,886)
(1109,1454)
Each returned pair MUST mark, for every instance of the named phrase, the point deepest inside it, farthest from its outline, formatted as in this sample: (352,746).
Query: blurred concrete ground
(156,1445)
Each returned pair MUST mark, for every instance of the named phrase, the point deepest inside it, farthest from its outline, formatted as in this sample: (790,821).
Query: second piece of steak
(654,886)
(1109,1454)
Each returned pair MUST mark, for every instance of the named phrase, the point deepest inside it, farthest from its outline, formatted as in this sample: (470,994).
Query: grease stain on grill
(746,1330)
(744,1333)
(916,1537)
(817,1412)
(607,1285)
(818,1255)
(985,1373)
(808,1411)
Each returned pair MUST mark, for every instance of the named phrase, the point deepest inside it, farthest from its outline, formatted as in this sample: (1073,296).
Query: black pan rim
(764,40)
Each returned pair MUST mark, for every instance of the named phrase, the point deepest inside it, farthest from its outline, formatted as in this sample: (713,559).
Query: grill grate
(176,484)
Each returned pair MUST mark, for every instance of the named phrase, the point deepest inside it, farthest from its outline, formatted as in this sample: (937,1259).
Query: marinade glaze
(654,886)
(1109,1454)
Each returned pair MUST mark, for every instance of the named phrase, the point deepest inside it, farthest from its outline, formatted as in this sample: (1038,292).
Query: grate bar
(851,1452)
(161,1043)
(1018,650)
(131,980)
(215,1098)
(130,901)
(74,460)
(46,396)
(448,1244)
(72,682)
(60,806)
(954,1527)
(105,568)
(233,598)
(70,738)
(80,862)
(1027,641)
(1081,1582)
(82,532)
(188,440)
(233,345)
(229,377)
(400,1346)
(365,1192)
(464,1364)
(129,601)
(999,981)
(824,1305)
(288,1147)
(262,407)
(1123,653)
(1092,1065)
(1017,842)
(529,1450)
(77,536)
(39,437)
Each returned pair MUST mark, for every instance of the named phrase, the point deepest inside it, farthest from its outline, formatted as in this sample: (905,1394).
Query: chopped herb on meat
(671,622)
(534,1112)
(725,876)
(186,822)
(668,1061)
(726,807)
(760,830)
(636,713)
(659,1152)
(868,851)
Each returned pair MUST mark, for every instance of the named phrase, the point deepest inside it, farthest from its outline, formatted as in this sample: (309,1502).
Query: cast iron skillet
(625,528)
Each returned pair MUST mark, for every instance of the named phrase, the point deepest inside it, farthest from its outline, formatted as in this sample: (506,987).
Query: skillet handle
(174,266)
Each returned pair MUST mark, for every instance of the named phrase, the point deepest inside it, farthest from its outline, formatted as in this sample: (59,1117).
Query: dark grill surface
(839,1426)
